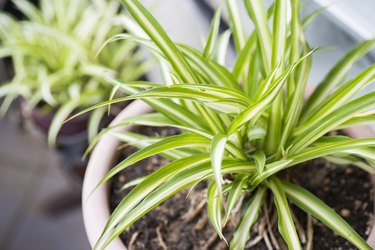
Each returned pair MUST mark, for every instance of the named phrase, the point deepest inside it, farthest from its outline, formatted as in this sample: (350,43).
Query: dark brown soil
(181,223)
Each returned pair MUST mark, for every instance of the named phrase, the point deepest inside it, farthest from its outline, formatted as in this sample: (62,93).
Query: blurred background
(40,187)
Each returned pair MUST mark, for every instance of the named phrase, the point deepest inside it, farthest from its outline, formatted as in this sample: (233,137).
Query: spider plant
(54,56)
(242,126)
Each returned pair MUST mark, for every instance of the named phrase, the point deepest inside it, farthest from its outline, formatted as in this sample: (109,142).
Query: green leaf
(338,98)
(217,154)
(258,14)
(154,30)
(216,74)
(336,75)
(269,170)
(212,37)
(248,218)
(260,160)
(59,119)
(94,123)
(320,150)
(214,207)
(172,142)
(350,160)
(314,206)
(234,193)
(29,10)
(278,50)
(365,118)
(141,142)
(285,221)
(236,24)
(279,32)
(332,121)
(223,46)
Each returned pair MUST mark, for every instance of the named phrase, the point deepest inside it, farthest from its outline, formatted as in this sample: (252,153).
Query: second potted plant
(57,68)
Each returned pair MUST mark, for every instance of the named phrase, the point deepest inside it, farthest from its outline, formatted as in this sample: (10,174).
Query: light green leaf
(313,205)
(332,121)
(338,98)
(59,118)
(236,24)
(285,221)
(212,37)
(94,123)
(258,14)
(249,217)
(154,30)
(214,207)
(234,193)
(336,75)
(217,154)
(260,160)
(172,142)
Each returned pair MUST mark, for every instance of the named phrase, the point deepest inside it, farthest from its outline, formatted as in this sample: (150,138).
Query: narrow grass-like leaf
(236,24)
(222,47)
(285,221)
(234,193)
(269,170)
(161,39)
(336,75)
(258,14)
(349,160)
(365,118)
(340,97)
(249,217)
(217,154)
(214,207)
(333,120)
(322,150)
(59,119)
(260,160)
(177,141)
(212,37)
(317,208)
(216,74)
(94,123)
(141,142)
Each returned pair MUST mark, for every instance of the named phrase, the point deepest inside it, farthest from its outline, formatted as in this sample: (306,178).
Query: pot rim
(95,205)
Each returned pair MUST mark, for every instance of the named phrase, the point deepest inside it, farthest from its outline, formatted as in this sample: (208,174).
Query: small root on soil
(310,232)
(210,241)
(132,241)
(160,239)
(193,212)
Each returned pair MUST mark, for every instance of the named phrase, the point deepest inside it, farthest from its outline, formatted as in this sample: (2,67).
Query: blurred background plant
(54,55)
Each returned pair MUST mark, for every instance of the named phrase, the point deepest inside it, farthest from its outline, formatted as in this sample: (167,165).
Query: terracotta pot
(95,205)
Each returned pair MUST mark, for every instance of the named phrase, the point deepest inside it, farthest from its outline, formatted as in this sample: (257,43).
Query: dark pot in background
(74,127)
